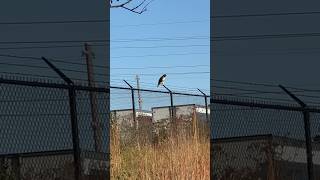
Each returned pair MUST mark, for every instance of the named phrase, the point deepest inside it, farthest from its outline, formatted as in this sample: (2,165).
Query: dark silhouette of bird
(161,80)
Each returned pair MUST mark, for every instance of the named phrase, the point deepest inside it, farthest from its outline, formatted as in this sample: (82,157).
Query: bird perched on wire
(161,80)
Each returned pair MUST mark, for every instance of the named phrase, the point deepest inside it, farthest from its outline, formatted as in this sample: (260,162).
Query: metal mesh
(260,140)
(59,131)
(93,107)
(37,134)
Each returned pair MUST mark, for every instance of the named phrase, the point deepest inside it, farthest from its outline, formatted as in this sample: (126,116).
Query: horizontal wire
(160,55)
(54,22)
(159,23)
(265,14)
(49,47)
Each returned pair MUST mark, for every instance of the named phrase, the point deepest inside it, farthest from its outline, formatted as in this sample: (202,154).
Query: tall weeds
(178,156)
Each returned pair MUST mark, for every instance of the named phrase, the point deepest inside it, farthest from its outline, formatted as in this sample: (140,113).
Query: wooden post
(93,100)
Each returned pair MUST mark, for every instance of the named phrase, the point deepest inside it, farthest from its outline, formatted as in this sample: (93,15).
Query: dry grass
(174,158)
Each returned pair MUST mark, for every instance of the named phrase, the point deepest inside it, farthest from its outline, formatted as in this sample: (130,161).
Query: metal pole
(172,114)
(171,104)
(134,114)
(75,133)
(16,165)
(133,102)
(74,120)
(306,117)
(206,104)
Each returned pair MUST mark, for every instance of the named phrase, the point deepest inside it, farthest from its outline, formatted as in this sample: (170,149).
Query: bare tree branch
(139,9)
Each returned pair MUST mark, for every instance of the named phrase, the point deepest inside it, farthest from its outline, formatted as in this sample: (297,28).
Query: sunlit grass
(176,157)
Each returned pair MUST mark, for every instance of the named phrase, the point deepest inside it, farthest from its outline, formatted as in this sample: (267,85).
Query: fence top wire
(47,84)
(158,91)
(80,86)
(253,103)
(247,102)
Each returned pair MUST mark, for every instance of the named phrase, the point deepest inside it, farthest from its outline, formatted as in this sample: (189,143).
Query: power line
(158,23)
(49,47)
(216,38)
(165,46)
(245,83)
(45,76)
(24,65)
(158,55)
(102,45)
(248,90)
(307,90)
(101,66)
(181,38)
(256,53)
(295,90)
(263,84)
(54,22)
(263,36)
(45,67)
(54,41)
(53,60)
(161,67)
(264,15)
(97,74)
(153,74)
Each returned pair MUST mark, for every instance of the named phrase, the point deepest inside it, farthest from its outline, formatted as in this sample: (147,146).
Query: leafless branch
(139,9)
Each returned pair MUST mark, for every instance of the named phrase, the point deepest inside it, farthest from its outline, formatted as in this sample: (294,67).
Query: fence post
(171,105)
(134,115)
(74,120)
(306,117)
(133,103)
(172,114)
(206,104)
(75,133)
(16,167)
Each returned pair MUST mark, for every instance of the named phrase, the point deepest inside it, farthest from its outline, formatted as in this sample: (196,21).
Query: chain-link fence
(59,131)
(253,139)
(159,134)
(53,131)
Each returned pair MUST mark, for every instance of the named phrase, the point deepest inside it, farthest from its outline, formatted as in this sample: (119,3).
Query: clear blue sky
(163,19)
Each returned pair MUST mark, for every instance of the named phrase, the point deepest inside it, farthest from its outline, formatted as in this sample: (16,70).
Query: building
(189,118)
(125,116)
(124,127)
(181,112)
(52,165)
(262,157)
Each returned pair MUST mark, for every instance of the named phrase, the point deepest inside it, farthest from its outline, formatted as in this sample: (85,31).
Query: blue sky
(169,19)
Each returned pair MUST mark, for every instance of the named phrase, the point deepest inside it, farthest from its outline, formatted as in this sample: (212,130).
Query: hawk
(161,80)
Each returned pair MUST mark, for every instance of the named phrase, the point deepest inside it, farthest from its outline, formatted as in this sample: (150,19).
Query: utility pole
(97,133)
(139,95)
